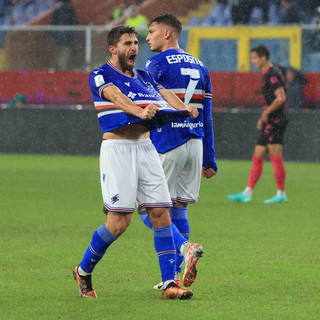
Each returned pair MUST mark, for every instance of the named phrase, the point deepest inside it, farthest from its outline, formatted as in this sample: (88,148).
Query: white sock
(166,283)
(82,273)
(183,248)
(281,193)
(247,192)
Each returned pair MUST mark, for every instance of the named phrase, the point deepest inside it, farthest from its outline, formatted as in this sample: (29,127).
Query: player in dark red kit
(271,125)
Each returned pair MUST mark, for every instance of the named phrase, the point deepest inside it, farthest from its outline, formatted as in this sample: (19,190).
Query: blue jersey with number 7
(189,79)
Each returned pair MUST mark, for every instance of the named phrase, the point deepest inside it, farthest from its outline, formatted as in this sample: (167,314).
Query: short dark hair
(261,51)
(170,20)
(115,34)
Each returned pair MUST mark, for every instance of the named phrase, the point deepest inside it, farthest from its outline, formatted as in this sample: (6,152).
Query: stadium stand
(24,64)
(254,12)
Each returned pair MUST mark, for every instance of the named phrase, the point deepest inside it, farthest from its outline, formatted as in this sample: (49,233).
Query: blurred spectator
(241,11)
(259,13)
(138,21)
(276,12)
(295,80)
(264,6)
(315,20)
(18,101)
(63,16)
(314,40)
(307,9)
(291,14)
(220,15)
(118,11)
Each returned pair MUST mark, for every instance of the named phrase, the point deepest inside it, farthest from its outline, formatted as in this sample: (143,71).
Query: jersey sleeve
(275,81)
(97,83)
(209,159)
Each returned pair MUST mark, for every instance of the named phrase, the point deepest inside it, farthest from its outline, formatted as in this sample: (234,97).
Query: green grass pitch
(261,261)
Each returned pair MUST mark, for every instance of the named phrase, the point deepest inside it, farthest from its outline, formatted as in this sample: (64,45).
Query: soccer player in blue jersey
(128,103)
(185,147)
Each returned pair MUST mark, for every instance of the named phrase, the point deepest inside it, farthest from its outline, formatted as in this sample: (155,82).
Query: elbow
(283,100)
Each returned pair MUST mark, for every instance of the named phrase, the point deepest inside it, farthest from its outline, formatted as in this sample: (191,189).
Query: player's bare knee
(159,217)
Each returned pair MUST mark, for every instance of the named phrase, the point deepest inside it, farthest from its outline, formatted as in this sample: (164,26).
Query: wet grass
(261,261)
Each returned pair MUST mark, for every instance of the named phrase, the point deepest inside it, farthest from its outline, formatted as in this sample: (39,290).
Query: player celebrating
(127,101)
(271,125)
(185,147)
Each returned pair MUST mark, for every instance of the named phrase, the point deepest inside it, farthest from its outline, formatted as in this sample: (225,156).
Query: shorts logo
(104,177)
(115,198)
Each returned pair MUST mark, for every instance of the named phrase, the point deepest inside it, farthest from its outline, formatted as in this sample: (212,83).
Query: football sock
(146,220)
(247,192)
(281,193)
(179,218)
(255,172)
(279,171)
(101,240)
(178,238)
(165,248)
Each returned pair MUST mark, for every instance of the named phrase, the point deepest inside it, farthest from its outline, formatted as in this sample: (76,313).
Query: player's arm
(209,165)
(280,99)
(175,102)
(114,94)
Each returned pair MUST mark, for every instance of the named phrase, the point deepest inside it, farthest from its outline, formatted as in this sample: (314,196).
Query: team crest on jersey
(99,80)
(115,198)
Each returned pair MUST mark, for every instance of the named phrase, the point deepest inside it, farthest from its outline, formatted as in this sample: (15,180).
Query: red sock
(255,172)
(279,171)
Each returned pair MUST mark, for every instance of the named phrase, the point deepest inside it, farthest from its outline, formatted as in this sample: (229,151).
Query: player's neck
(266,66)
(170,44)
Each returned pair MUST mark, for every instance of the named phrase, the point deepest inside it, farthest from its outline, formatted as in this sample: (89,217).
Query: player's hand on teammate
(208,172)
(149,111)
(193,111)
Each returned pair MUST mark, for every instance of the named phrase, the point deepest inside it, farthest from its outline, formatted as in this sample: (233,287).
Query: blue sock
(178,238)
(165,248)
(179,218)
(101,240)
(146,220)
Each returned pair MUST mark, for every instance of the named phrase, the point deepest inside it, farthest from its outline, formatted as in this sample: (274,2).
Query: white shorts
(130,174)
(182,167)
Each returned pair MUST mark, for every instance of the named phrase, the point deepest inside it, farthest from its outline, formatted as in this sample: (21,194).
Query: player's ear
(113,50)
(166,33)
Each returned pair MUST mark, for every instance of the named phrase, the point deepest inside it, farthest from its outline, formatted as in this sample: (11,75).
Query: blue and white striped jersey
(141,89)
(189,79)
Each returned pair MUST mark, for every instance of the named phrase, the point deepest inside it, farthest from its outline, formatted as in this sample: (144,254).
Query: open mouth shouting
(132,59)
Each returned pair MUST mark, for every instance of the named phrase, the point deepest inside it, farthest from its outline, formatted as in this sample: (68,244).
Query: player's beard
(123,63)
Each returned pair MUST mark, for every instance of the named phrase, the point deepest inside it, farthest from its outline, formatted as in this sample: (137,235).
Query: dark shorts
(272,133)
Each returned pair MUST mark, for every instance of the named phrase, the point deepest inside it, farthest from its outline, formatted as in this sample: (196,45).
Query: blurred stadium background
(47,107)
